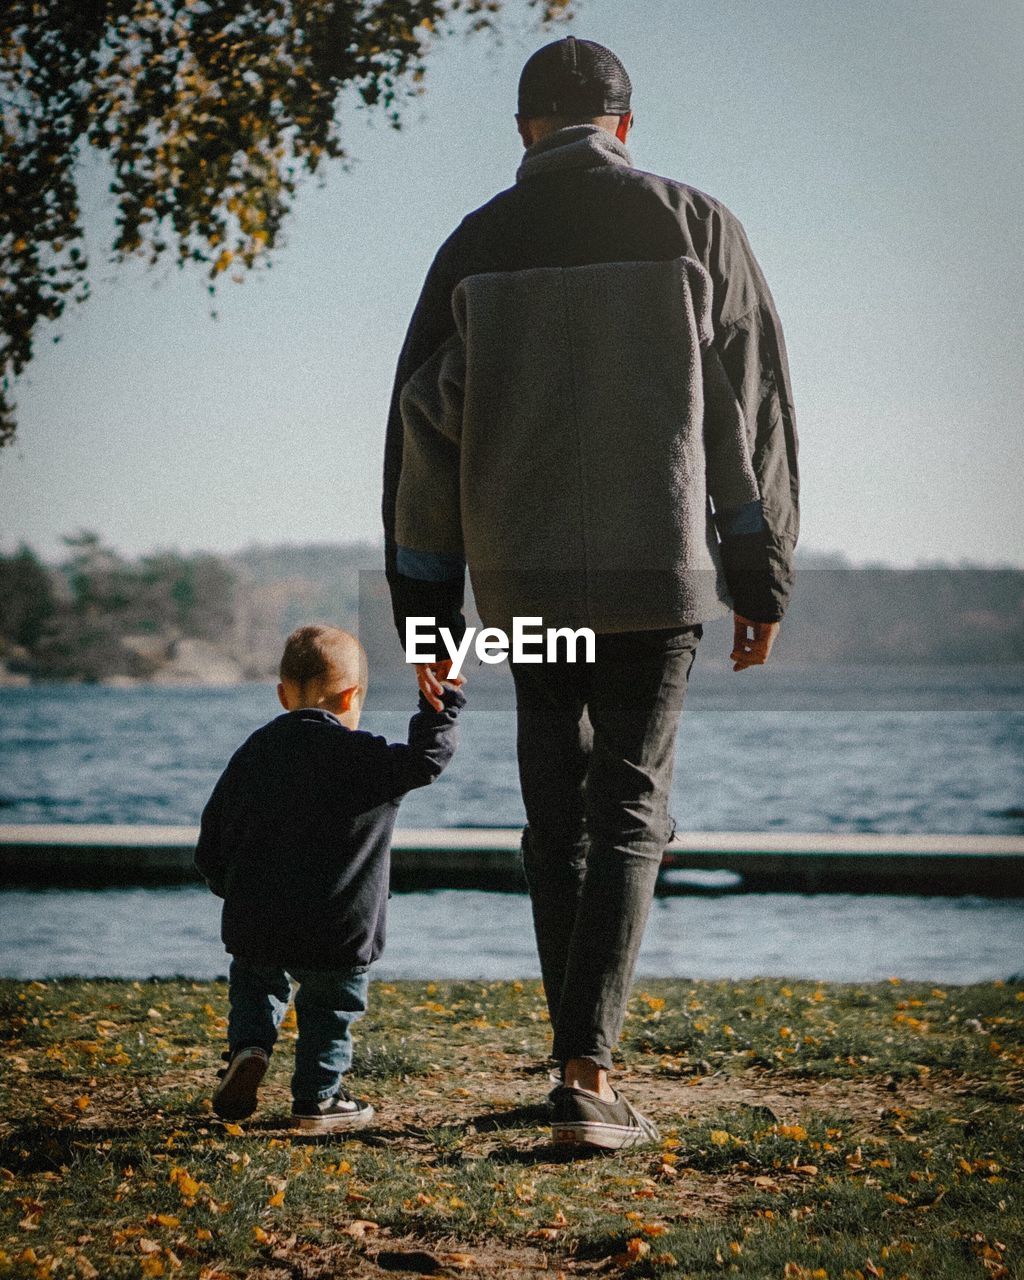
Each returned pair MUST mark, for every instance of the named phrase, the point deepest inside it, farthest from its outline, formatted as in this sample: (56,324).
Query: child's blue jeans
(326,1004)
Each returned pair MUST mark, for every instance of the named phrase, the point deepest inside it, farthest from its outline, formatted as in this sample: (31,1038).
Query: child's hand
(432,677)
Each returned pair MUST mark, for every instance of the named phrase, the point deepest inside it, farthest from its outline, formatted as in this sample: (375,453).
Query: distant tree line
(99,615)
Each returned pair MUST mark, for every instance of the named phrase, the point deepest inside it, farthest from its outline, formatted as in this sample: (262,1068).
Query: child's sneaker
(235,1097)
(581,1118)
(342,1111)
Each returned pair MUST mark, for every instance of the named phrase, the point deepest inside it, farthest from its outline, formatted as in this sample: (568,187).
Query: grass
(810,1131)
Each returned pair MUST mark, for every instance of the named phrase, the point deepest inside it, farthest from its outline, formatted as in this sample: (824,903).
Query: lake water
(136,933)
(912,749)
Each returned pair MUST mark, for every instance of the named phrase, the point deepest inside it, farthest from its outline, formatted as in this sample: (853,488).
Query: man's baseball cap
(573,77)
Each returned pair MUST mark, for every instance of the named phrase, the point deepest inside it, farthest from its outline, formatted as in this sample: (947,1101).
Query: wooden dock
(488,858)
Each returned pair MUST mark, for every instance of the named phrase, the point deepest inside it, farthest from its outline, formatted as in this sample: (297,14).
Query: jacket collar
(312,713)
(580,146)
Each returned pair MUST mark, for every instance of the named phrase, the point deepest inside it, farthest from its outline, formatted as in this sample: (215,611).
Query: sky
(872,151)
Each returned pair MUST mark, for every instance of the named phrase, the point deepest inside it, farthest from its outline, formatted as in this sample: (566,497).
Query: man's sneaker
(332,1114)
(558,1082)
(236,1096)
(581,1119)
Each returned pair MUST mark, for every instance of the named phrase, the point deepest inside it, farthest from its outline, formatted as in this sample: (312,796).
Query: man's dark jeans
(596,746)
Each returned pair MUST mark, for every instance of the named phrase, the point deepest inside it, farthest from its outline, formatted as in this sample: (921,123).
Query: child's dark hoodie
(296,836)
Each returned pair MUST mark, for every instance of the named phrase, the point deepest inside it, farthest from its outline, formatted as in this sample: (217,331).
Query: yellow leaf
(234,1129)
(186,1184)
(276,1200)
(720,1137)
(636,1248)
(84,1102)
(168,1220)
(260,1235)
(795,1131)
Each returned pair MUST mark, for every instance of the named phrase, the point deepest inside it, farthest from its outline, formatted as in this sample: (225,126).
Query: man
(592,408)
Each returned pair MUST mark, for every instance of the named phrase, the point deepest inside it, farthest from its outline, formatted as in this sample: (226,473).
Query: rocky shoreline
(181,662)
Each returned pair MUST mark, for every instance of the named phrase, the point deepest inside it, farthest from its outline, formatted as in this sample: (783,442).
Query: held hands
(431,678)
(752,642)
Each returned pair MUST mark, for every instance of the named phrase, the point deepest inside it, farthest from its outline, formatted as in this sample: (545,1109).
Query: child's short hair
(324,653)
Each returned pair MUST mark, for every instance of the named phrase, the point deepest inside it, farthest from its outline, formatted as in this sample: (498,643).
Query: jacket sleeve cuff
(429,566)
(419,598)
(748,574)
(452,701)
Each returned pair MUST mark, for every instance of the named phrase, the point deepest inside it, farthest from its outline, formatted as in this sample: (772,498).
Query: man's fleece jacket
(595,354)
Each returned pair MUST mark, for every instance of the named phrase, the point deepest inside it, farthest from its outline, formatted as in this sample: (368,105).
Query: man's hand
(752,642)
(429,676)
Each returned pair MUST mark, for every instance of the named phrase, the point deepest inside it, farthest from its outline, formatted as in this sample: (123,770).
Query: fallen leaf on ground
(183,1180)
(360,1228)
(634,1251)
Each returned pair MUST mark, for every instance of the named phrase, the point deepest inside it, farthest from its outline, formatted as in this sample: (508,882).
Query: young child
(296,839)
